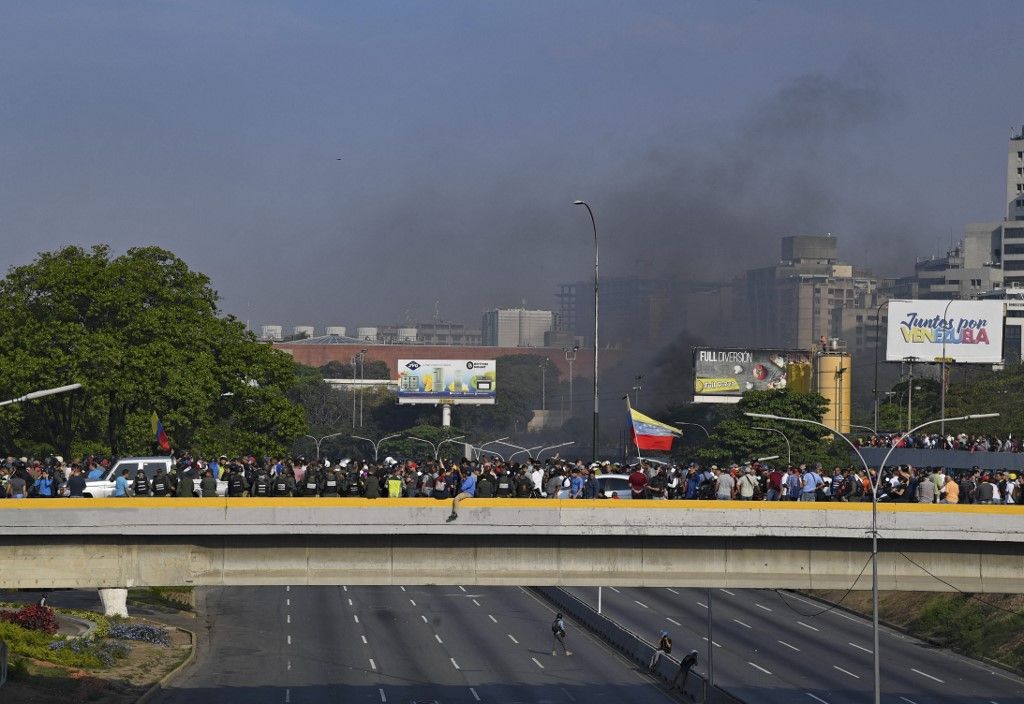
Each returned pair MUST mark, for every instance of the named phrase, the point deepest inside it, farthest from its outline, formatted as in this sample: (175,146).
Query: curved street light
(40,394)
(789,449)
(376,445)
(597,346)
(436,447)
(317,441)
(706,433)
(554,447)
(874,515)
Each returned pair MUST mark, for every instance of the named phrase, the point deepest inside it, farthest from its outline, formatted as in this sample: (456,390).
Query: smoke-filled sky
(362,163)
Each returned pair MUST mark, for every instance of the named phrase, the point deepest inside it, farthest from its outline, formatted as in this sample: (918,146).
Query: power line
(835,605)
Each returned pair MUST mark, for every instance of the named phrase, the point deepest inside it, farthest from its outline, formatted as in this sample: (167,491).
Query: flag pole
(629,410)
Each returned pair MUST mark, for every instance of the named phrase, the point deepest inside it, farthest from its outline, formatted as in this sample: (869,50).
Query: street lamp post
(479,448)
(789,449)
(874,516)
(942,392)
(706,433)
(570,357)
(553,447)
(317,442)
(597,345)
(362,367)
(544,384)
(874,388)
(376,445)
(40,394)
(519,449)
(636,389)
(436,447)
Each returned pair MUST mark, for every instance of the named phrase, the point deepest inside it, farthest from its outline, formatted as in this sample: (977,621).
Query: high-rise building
(967,270)
(516,327)
(1015,178)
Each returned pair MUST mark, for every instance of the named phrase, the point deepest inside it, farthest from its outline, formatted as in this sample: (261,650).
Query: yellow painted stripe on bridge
(602,504)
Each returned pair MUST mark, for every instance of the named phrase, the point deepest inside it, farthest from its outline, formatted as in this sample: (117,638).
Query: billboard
(960,331)
(459,381)
(723,374)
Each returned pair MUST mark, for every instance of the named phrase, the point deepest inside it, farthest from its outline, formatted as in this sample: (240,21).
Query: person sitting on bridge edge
(684,671)
(664,648)
(467,490)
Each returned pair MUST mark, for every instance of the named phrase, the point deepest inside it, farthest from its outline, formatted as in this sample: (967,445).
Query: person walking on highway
(558,635)
(664,648)
(467,490)
(683,673)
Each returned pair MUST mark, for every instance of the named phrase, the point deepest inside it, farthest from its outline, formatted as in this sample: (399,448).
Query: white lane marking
(289,639)
(846,672)
(355,617)
(373,665)
(925,674)
(754,664)
(567,694)
(424,618)
(402,588)
(289,664)
(287,589)
(412,602)
(703,606)
(727,592)
(475,695)
(816,698)
(344,588)
(476,602)
(908,701)
(673,621)
(438,638)
(382,697)
(535,660)
(455,664)
(761,607)
(791,647)
(462,588)
(639,603)
(350,602)
(492,618)
(741,623)
(806,626)
(365,642)
(615,590)
(288,618)
(287,696)
(287,602)
(713,642)
(672,590)
(513,639)
(860,647)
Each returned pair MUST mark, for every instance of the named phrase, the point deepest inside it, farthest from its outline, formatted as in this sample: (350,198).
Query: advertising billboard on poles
(723,374)
(457,381)
(960,331)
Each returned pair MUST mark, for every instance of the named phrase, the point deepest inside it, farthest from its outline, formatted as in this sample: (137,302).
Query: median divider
(631,645)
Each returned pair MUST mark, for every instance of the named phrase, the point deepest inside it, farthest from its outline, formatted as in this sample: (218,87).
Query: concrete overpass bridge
(118,543)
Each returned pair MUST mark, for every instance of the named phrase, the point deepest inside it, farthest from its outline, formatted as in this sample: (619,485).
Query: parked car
(104,486)
(608,486)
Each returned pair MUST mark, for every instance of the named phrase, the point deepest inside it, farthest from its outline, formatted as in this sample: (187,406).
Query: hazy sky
(700,132)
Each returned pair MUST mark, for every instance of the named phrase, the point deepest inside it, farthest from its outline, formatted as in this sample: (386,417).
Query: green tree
(142,333)
(734,438)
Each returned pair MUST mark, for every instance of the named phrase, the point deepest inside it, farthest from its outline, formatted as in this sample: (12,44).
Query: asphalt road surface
(779,649)
(381,645)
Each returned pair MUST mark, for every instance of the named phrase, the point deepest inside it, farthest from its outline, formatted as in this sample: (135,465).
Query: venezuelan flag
(650,434)
(159,433)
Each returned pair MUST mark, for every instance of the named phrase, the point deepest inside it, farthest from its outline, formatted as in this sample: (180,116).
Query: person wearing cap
(664,648)
(748,485)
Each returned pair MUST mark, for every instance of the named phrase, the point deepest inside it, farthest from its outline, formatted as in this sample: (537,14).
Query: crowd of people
(493,477)
(936,441)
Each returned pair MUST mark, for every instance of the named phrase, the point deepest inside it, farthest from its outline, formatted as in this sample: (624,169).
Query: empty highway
(293,645)
(786,650)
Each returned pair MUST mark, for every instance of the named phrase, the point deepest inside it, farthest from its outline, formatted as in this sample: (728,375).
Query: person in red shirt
(638,483)
(774,484)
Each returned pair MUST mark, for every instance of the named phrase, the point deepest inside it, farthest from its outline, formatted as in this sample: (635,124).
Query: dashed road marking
(355,617)
(908,701)
(289,665)
(727,592)
(287,602)
(438,638)
(925,674)
(462,588)
(860,647)
(287,589)
(735,620)
(288,618)
(455,664)
(287,696)
(344,588)
(568,694)
(792,647)
(703,606)
(402,588)
(364,640)
(350,602)
(537,662)
(412,602)
(424,618)
(673,621)
(754,664)
(672,590)
(761,606)
(639,603)
(492,618)
(475,695)
(383,697)
(615,590)
(816,698)
(373,665)
(846,672)
(806,626)
(476,602)
(289,639)
(513,638)
(712,642)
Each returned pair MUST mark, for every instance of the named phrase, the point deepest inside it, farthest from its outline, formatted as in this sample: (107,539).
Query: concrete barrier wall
(630,644)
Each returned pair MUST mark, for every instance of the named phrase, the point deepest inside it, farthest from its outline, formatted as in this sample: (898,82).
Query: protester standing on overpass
(685,665)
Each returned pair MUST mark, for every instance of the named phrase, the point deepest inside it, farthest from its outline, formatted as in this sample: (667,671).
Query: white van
(103,487)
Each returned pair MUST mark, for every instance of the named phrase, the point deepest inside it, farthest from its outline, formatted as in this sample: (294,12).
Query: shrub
(34,618)
(140,632)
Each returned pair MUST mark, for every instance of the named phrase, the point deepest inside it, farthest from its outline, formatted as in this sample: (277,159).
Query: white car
(608,486)
(104,486)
